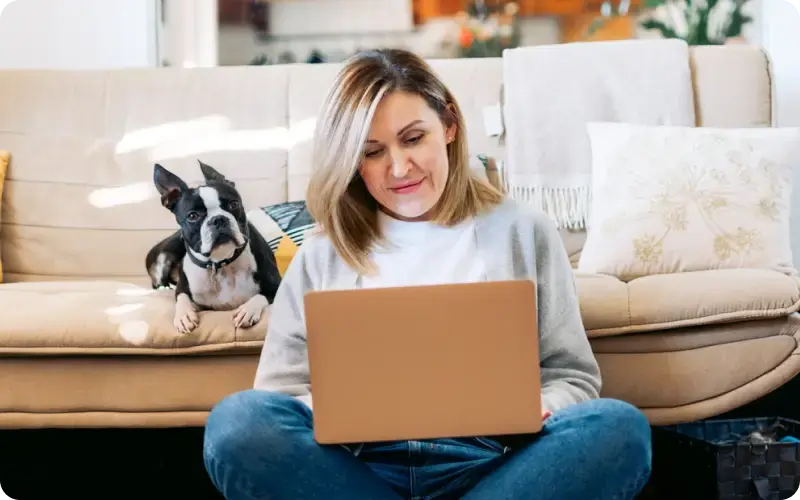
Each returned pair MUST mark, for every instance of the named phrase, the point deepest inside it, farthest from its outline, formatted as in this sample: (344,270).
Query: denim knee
(249,422)
(625,435)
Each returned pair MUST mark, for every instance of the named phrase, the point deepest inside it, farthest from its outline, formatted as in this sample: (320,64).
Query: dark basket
(704,460)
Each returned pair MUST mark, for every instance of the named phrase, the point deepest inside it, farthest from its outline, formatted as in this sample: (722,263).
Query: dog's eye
(193,217)
(234,205)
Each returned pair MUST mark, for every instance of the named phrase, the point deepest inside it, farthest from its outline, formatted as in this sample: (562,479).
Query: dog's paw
(249,313)
(186,318)
(186,323)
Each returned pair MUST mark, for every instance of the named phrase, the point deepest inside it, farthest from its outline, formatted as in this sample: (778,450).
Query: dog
(217,260)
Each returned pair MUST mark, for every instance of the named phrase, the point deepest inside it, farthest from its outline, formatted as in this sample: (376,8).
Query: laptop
(424,362)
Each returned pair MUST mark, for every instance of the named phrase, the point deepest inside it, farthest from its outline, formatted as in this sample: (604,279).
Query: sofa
(86,342)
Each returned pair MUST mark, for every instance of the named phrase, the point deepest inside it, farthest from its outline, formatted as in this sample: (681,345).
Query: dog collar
(217,265)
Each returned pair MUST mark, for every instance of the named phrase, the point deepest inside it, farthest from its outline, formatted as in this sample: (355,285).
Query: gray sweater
(516,243)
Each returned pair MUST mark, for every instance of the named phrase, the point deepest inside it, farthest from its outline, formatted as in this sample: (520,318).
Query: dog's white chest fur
(225,289)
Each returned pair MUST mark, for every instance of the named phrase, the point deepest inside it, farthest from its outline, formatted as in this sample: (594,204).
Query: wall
(779,32)
(780,37)
(78,34)
(190,33)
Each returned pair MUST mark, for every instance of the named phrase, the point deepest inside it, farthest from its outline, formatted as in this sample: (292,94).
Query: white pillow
(669,199)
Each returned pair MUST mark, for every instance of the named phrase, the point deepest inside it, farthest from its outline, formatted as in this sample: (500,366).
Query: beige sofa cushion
(675,199)
(672,378)
(88,143)
(106,317)
(118,391)
(613,307)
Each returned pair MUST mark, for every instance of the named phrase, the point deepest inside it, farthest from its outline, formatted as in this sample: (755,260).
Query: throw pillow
(284,226)
(671,199)
(4,158)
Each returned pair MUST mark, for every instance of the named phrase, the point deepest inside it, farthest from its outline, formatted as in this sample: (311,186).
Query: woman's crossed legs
(260,445)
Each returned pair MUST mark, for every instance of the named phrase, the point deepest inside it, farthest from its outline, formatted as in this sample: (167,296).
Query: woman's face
(405,162)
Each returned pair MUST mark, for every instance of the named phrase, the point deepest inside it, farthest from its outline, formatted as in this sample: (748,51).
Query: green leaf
(700,31)
(697,17)
(666,31)
(738,22)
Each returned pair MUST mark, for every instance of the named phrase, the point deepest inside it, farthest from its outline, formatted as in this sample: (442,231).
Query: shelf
(425,10)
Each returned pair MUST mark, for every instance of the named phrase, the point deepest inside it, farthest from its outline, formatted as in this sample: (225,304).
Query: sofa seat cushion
(106,317)
(698,372)
(118,391)
(668,301)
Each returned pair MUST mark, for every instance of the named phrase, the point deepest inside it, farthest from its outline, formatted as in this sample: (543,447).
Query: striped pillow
(284,226)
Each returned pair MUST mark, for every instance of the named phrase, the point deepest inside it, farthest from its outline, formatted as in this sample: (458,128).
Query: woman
(399,206)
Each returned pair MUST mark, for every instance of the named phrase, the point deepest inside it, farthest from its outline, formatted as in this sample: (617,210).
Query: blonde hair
(337,197)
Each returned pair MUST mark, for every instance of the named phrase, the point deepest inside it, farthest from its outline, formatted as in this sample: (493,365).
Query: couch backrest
(80,203)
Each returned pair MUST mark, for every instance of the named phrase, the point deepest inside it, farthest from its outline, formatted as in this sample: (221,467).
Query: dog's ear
(210,174)
(169,185)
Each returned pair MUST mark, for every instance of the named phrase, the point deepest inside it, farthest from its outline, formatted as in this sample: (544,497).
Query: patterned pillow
(284,226)
(676,199)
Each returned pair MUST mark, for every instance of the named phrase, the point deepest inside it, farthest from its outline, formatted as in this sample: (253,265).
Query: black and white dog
(217,260)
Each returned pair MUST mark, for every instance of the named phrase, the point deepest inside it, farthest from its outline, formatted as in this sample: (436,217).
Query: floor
(104,464)
(156,464)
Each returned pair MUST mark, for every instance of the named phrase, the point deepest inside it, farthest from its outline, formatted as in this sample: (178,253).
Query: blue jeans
(260,445)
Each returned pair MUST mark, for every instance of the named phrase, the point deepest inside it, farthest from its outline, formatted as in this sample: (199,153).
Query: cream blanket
(552,91)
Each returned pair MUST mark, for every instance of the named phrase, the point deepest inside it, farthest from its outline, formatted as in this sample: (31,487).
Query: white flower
(719,20)
(677,14)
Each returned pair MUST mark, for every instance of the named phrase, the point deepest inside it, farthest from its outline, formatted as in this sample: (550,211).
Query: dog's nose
(218,221)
